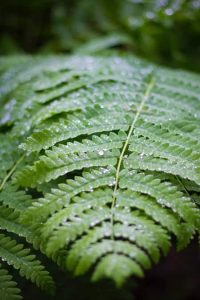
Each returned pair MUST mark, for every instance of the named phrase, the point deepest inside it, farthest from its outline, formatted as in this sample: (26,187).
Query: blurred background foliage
(164,31)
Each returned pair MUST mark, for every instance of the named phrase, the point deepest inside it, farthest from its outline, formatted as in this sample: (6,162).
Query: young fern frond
(111,159)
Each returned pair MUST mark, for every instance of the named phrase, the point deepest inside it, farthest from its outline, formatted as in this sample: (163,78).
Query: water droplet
(112,182)
(132,254)
(107,233)
(142,155)
(104,171)
(139,226)
(101,152)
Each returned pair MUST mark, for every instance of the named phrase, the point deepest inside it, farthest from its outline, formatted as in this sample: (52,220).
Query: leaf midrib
(145,97)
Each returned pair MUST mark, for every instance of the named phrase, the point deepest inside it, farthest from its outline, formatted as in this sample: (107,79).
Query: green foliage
(13,250)
(107,173)
(8,289)
(14,253)
(165,31)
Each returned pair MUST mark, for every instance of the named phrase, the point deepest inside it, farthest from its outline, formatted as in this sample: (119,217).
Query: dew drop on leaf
(101,152)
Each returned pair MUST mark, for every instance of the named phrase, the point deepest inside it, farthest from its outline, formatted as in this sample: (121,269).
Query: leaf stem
(11,172)
(139,110)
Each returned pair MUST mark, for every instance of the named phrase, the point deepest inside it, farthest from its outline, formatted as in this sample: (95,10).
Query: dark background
(176,277)
(166,32)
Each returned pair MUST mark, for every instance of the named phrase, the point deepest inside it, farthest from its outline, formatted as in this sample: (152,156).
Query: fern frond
(61,197)
(14,198)
(117,267)
(111,160)
(76,126)
(52,166)
(8,287)
(165,194)
(166,133)
(9,153)
(12,201)
(9,220)
(153,163)
(20,258)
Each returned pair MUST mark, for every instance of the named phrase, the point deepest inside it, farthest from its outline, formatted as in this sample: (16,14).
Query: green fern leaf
(8,289)
(111,160)
(14,254)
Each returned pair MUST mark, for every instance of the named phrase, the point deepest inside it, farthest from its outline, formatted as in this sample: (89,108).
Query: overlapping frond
(20,258)
(14,253)
(8,287)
